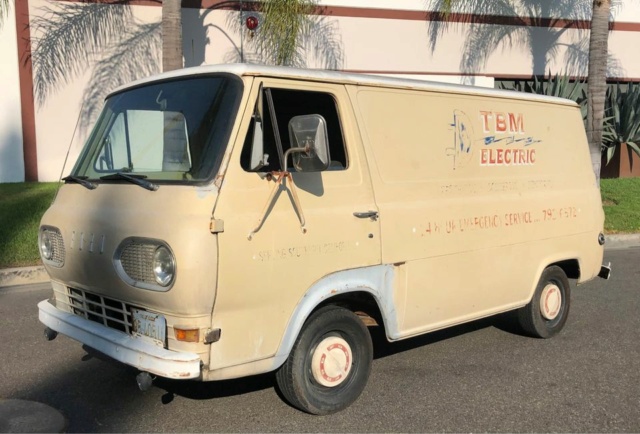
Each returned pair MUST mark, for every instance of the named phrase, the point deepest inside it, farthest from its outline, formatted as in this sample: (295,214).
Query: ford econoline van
(225,221)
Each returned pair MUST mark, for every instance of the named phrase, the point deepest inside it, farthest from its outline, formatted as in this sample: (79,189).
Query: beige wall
(397,47)
(57,118)
(402,45)
(11,159)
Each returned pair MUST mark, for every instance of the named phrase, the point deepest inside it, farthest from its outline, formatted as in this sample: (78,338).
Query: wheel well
(361,303)
(571,268)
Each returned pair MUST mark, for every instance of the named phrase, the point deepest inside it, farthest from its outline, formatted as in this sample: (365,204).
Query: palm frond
(576,59)
(67,39)
(483,39)
(289,34)
(5,7)
(465,8)
(135,56)
(320,37)
(278,38)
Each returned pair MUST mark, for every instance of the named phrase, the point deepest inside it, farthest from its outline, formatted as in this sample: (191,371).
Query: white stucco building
(45,86)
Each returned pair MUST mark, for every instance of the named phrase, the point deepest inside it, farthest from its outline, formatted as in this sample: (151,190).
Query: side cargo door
(267,260)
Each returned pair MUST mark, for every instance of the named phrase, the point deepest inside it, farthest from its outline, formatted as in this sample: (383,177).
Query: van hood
(94,224)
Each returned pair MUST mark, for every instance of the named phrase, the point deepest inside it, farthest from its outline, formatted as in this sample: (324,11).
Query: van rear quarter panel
(477,195)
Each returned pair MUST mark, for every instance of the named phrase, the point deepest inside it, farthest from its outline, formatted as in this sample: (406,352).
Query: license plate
(150,326)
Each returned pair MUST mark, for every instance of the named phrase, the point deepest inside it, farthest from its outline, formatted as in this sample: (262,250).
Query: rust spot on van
(366,319)
(220,177)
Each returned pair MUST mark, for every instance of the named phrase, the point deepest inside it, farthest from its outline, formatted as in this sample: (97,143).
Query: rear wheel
(547,312)
(329,364)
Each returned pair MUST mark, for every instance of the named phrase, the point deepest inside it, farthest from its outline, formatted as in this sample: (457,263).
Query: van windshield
(170,131)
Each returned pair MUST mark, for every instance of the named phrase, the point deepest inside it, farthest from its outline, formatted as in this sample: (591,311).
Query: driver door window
(287,105)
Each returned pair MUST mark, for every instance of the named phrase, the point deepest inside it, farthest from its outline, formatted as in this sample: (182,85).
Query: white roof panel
(243,69)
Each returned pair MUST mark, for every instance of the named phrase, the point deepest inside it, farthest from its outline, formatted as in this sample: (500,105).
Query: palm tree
(171,35)
(279,34)
(597,90)
(289,35)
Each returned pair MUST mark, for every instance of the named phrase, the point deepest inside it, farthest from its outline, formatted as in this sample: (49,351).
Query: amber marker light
(187,335)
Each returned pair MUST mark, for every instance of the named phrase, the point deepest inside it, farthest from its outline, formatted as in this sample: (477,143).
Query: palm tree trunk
(171,35)
(598,47)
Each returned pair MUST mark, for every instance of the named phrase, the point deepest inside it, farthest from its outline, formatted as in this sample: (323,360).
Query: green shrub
(622,118)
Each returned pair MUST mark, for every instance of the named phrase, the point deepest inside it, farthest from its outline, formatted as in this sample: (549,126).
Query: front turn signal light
(187,335)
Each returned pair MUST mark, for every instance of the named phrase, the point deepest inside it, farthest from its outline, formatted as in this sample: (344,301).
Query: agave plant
(558,85)
(622,125)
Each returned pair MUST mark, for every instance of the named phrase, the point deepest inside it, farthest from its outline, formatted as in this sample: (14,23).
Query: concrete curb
(23,276)
(33,275)
(621,241)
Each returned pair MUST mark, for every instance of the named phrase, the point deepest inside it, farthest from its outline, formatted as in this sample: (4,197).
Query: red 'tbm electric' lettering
(502,122)
(516,123)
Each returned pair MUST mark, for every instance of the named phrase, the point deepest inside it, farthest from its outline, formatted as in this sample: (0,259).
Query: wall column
(30,149)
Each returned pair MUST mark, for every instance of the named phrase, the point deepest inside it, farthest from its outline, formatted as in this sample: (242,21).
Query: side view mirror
(309,144)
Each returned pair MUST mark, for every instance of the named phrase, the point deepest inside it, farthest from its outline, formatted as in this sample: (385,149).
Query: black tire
(296,379)
(537,319)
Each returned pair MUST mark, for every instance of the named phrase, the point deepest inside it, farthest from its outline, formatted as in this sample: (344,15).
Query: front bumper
(120,346)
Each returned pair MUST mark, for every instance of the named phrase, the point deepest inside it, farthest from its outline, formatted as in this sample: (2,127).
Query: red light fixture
(252,22)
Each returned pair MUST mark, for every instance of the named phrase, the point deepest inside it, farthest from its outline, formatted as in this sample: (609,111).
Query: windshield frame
(91,149)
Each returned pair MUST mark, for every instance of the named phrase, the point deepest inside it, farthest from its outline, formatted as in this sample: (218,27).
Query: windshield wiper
(82,180)
(134,178)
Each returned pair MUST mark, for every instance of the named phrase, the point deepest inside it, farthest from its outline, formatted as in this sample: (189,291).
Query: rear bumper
(605,271)
(120,346)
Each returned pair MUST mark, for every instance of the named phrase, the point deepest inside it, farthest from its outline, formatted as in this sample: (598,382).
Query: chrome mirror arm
(280,183)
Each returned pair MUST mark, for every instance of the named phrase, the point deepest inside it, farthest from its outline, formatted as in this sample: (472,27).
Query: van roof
(244,69)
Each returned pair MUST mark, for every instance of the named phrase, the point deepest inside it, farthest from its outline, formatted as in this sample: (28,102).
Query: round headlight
(164,266)
(46,247)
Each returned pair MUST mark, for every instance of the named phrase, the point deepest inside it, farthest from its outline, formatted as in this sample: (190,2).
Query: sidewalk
(23,276)
(37,274)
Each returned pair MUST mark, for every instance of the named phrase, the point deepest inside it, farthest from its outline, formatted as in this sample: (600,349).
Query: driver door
(262,277)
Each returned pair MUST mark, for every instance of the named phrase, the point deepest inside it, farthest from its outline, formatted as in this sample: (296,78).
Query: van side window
(288,104)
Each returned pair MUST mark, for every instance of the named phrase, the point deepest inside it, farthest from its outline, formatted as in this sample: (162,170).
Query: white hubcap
(550,301)
(331,361)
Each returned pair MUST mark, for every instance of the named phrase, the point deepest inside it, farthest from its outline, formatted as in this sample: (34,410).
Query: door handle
(373,215)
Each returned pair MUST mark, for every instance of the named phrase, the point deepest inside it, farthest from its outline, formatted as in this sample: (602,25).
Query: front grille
(137,261)
(106,311)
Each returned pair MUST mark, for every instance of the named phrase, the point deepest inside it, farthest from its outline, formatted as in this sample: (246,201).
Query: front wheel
(547,312)
(329,364)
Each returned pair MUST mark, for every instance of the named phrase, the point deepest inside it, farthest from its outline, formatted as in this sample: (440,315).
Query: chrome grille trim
(133,261)
(57,244)
(103,310)
(137,261)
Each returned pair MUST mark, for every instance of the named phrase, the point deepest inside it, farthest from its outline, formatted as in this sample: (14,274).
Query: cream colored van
(225,221)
